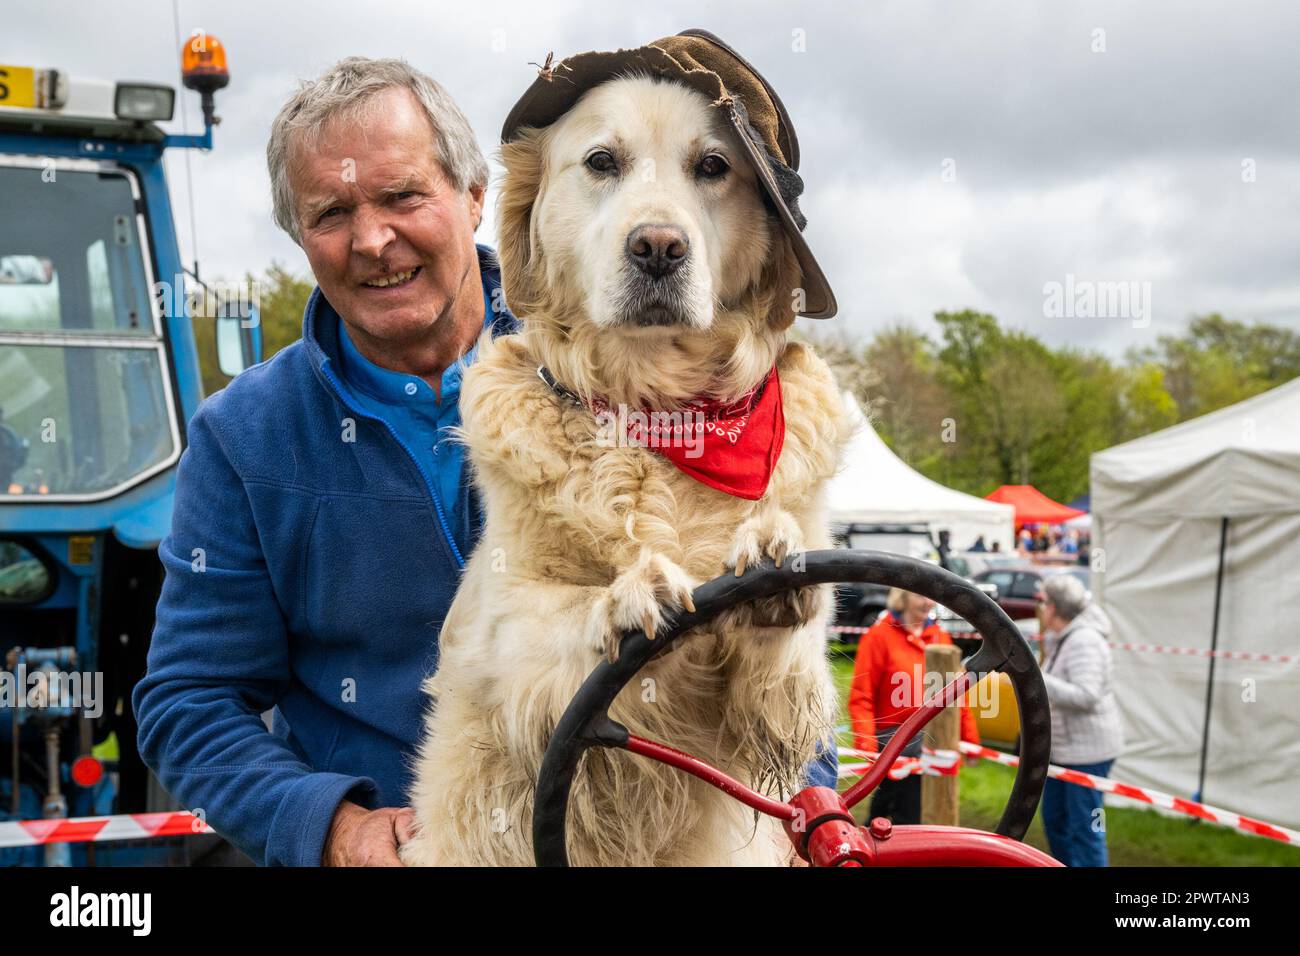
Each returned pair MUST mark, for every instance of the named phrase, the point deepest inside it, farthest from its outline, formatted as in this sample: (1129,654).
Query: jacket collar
(925,637)
(320,323)
(1053,638)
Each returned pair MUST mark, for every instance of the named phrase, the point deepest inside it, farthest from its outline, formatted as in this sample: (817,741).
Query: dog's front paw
(637,599)
(774,534)
(777,535)
(786,609)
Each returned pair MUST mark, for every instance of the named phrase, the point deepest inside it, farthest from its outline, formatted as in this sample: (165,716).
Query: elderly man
(323,514)
(1086,731)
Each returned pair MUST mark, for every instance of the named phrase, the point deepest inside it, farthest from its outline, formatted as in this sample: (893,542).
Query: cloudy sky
(956,155)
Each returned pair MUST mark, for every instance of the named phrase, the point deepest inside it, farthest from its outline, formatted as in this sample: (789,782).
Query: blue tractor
(99,373)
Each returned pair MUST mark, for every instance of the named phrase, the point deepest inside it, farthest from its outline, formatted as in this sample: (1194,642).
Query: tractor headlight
(144,101)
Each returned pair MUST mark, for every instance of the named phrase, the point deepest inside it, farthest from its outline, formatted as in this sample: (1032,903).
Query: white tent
(875,486)
(1199,530)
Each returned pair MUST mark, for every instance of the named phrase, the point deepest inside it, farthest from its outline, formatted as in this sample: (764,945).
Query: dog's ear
(517,245)
(779,293)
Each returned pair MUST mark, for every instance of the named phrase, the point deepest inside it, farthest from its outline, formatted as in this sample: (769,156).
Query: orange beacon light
(203,69)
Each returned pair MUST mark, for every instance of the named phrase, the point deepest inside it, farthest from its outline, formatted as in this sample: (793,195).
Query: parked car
(1017,584)
(970,563)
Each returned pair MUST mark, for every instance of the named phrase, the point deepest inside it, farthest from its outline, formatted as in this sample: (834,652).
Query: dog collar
(711,408)
(545,375)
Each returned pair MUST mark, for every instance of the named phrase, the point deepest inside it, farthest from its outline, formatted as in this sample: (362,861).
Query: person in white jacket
(1086,731)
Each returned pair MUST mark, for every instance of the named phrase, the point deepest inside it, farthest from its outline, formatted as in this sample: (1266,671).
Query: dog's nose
(657,250)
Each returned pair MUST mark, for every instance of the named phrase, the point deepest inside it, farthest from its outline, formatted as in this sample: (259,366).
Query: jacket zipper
(428,481)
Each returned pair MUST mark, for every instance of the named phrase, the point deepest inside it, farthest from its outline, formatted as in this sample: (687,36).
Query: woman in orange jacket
(888,686)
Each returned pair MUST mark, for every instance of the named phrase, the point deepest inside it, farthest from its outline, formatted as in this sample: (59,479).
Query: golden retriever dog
(586,538)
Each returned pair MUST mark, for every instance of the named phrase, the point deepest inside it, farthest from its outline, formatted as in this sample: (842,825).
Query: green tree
(910,404)
(1028,414)
(1148,406)
(1008,400)
(1218,362)
(1092,417)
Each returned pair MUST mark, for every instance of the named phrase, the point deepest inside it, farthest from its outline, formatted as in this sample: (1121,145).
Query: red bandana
(731,446)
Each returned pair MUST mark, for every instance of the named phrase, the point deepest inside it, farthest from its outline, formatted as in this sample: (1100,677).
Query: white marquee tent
(1199,529)
(875,486)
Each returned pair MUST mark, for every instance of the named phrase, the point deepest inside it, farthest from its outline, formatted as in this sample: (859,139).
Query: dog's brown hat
(703,62)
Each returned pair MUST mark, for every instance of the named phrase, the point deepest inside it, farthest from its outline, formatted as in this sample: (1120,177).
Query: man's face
(389,238)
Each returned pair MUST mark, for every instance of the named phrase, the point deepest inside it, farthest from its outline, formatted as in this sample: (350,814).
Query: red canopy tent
(1032,506)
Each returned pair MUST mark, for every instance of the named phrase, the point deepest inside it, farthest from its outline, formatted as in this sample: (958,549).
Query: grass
(1135,837)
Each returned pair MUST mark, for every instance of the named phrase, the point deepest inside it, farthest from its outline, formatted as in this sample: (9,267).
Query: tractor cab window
(85,407)
(70,256)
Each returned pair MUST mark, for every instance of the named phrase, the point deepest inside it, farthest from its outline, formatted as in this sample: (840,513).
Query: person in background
(979,544)
(1086,731)
(888,686)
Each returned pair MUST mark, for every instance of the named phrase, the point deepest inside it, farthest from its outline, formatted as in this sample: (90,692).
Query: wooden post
(939,794)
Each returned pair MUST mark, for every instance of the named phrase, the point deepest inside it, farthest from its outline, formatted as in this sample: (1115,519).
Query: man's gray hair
(1066,592)
(347,91)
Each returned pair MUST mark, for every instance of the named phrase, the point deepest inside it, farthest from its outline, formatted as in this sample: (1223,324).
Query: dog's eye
(601,161)
(712,166)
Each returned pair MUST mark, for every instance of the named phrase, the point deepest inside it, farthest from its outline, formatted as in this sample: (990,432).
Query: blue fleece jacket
(309,568)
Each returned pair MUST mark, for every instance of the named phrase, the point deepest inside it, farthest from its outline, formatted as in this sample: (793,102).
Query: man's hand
(361,837)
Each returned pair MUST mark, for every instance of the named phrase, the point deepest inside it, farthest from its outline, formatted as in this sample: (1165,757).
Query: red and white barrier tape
(1191,808)
(136,826)
(945,762)
(936,763)
(1146,648)
(1195,652)
(131,826)
(1206,652)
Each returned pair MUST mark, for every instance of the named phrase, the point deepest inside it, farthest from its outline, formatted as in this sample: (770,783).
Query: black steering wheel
(586,722)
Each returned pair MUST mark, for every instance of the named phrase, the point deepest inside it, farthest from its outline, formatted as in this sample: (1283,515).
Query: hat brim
(558,88)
